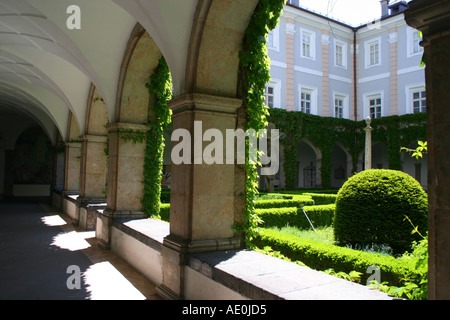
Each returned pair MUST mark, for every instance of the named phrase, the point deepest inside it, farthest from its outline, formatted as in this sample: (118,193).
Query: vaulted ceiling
(46,69)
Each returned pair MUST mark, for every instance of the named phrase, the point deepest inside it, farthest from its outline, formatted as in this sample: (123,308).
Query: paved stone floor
(43,256)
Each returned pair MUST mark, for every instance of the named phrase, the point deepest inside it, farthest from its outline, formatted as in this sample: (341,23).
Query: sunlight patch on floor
(53,221)
(73,241)
(104,282)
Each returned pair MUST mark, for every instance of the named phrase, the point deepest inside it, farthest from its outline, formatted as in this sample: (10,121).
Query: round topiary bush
(371,207)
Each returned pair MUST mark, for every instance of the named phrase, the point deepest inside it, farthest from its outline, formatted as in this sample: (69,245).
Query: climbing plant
(159,85)
(324,132)
(254,75)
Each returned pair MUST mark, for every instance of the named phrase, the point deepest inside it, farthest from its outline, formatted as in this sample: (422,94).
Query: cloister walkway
(42,254)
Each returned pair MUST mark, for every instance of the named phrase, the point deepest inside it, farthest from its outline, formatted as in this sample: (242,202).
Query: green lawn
(326,235)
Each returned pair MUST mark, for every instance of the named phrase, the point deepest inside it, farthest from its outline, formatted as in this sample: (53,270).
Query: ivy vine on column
(254,75)
(159,85)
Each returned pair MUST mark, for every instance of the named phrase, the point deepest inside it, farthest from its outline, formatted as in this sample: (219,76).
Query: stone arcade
(81,86)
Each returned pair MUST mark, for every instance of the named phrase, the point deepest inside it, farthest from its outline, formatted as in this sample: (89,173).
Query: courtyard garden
(371,231)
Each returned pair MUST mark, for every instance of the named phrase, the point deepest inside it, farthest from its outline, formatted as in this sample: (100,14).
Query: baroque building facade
(324,67)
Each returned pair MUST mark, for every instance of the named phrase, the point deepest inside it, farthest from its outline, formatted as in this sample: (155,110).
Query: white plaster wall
(145,259)
(199,287)
(71,209)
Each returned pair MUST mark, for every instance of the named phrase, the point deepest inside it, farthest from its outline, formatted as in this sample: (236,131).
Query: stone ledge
(148,231)
(259,276)
(252,274)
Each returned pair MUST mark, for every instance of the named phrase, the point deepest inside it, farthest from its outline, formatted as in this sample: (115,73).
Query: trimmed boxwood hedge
(320,216)
(164,211)
(322,198)
(371,207)
(281,203)
(322,256)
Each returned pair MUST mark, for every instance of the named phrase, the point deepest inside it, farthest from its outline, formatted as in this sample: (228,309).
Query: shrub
(322,198)
(164,211)
(371,208)
(322,256)
(280,203)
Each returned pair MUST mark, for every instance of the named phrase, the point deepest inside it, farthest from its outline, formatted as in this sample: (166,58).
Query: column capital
(116,126)
(73,144)
(432,17)
(393,37)
(325,39)
(290,28)
(204,102)
(94,138)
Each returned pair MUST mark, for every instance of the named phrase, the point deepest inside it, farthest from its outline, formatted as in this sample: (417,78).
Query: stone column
(93,168)
(125,180)
(72,168)
(290,63)
(205,201)
(93,177)
(432,17)
(368,151)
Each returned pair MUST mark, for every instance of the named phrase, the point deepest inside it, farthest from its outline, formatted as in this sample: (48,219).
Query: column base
(175,253)
(167,294)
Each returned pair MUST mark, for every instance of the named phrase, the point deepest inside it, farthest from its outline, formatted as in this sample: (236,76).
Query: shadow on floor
(44,257)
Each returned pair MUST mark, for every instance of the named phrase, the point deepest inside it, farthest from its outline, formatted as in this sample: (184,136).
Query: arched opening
(417,168)
(341,166)
(31,164)
(379,156)
(308,174)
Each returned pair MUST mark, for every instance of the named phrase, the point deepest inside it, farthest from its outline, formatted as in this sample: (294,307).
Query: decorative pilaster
(290,63)
(393,37)
(326,74)
(354,52)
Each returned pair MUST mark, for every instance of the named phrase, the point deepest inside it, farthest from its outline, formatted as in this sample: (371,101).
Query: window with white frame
(305,100)
(413,40)
(340,57)
(372,52)
(308,44)
(419,100)
(375,106)
(272,93)
(339,104)
(273,39)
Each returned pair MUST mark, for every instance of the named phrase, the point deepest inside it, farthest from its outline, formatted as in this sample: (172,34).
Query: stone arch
(73,129)
(211,69)
(96,113)
(93,165)
(140,60)
(133,109)
(341,165)
(309,163)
